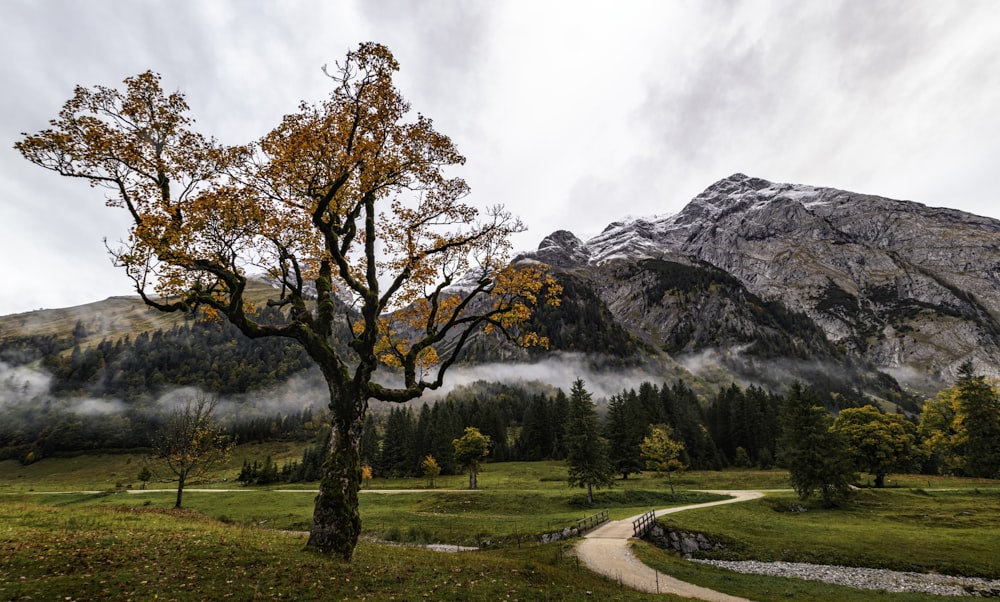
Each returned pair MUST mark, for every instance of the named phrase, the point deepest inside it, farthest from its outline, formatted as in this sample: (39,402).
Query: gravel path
(864,578)
(605,550)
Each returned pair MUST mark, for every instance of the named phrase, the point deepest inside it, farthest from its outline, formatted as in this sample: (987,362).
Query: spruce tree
(586,450)
(624,430)
(980,406)
(369,442)
(816,457)
(536,437)
(394,460)
(560,414)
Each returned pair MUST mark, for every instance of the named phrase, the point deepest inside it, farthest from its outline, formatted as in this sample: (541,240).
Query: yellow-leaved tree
(345,204)
(191,442)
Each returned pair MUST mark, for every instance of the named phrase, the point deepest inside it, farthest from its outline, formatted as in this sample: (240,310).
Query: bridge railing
(588,523)
(644,523)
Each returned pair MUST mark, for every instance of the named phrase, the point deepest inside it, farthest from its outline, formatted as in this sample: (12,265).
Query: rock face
(682,542)
(809,272)
(562,249)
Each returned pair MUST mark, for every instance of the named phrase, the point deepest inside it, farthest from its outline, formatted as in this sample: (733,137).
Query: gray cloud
(572,115)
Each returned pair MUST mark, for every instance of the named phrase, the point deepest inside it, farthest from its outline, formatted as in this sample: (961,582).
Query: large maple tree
(345,204)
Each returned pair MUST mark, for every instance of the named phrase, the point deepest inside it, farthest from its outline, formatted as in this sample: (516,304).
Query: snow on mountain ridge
(649,237)
(740,208)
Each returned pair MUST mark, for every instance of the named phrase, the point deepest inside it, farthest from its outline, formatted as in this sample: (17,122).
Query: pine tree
(560,415)
(394,460)
(980,406)
(586,450)
(446,427)
(423,433)
(684,413)
(369,441)
(536,437)
(624,430)
(816,457)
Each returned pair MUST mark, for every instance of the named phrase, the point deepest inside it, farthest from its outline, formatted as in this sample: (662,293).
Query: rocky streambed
(865,578)
(690,543)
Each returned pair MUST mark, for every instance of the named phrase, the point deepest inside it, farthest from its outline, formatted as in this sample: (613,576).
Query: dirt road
(605,550)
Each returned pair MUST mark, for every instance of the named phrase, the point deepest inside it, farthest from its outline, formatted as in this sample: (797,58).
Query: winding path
(605,550)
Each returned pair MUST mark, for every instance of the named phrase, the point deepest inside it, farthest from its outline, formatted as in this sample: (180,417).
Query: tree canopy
(470,449)
(661,452)
(879,443)
(960,427)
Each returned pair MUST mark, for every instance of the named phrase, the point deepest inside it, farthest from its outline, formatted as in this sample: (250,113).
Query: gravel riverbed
(864,578)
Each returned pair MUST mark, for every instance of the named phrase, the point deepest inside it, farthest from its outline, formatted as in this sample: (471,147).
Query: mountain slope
(908,288)
(111,319)
(766,282)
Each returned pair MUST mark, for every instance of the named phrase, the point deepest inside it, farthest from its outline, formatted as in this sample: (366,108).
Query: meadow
(104,542)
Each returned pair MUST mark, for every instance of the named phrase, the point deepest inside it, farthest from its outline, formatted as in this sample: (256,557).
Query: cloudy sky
(571,113)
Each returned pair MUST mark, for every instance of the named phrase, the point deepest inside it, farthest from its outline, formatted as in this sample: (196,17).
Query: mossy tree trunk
(336,524)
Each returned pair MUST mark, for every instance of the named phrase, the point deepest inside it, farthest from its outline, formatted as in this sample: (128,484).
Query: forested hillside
(213,356)
(59,395)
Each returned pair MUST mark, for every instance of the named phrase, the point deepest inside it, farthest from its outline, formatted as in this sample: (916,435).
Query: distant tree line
(310,468)
(958,431)
(213,356)
(44,427)
(526,425)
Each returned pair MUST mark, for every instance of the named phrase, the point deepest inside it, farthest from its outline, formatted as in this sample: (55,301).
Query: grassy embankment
(954,529)
(87,545)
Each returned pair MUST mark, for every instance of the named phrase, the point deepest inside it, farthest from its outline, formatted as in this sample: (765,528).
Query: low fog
(27,388)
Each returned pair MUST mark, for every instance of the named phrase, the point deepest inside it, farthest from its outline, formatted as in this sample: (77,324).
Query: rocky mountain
(767,271)
(752,281)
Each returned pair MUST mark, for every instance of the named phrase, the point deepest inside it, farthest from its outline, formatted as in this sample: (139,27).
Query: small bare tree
(191,442)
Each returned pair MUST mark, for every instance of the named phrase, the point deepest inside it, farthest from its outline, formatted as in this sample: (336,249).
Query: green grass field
(952,531)
(246,544)
(146,554)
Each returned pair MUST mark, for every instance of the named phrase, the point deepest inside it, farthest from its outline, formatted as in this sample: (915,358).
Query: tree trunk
(336,522)
(472,476)
(590,494)
(180,489)
(670,479)
(879,481)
